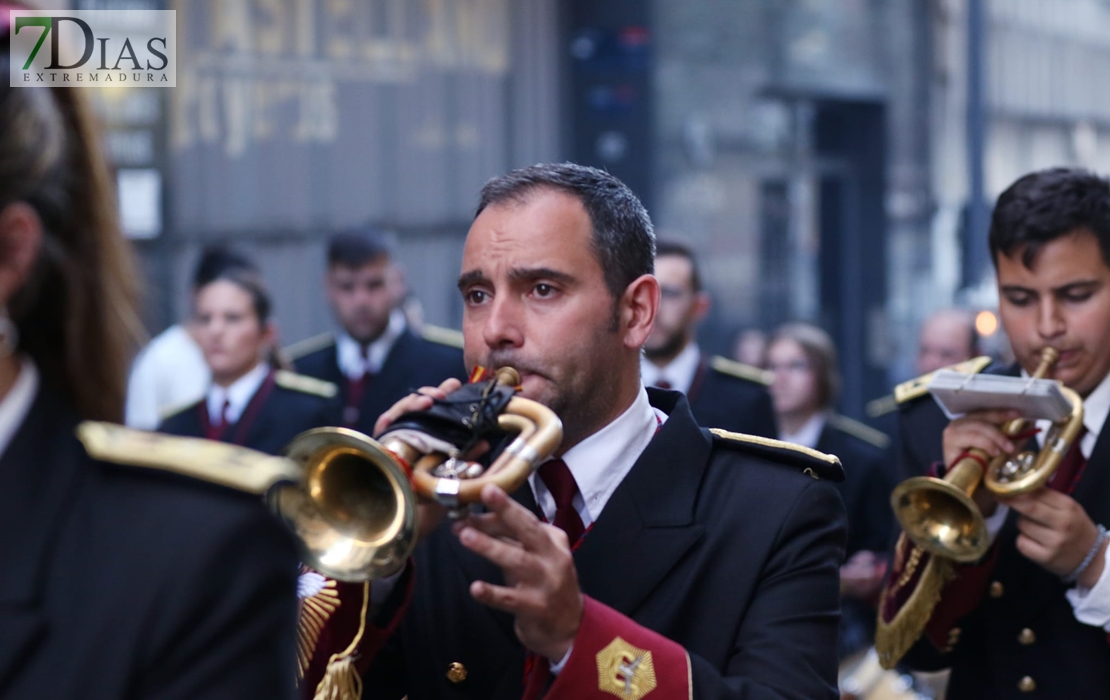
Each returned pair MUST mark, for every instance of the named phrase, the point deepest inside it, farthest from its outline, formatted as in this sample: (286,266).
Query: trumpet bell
(355,513)
(941,518)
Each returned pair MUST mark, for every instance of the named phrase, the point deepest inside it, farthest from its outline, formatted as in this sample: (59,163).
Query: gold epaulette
(856,429)
(443,336)
(916,388)
(816,464)
(741,370)
(305,384)
(308,346)
(215,462)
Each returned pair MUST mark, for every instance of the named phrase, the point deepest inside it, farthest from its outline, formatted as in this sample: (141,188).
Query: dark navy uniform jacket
(723,400)
(869,477)
(721,561)
(412,362)
(132,583)
(278,412)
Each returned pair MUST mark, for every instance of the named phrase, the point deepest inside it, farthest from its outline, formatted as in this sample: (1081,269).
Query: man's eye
(1077,296)
(543,290)
(1019,299)
(475,296)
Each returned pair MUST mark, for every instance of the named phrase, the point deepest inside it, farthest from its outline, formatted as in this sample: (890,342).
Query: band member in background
(375,358)
(802,360)
(722,393)
(252,401)
(680,562)
(947,337)
(1033,615)
(170,371)
(117,581)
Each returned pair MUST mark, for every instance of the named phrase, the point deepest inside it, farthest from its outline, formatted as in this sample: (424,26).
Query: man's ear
(638,307)
(20,240)
(701,305)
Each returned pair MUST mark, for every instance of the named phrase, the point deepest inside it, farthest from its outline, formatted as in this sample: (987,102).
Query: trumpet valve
(1015,467)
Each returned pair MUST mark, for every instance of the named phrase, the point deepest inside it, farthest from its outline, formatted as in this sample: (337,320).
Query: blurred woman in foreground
(117,581)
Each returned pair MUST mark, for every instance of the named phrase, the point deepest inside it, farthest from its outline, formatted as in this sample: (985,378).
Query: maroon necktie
(560,482)
(217,424)
(1071,466)
(663,384)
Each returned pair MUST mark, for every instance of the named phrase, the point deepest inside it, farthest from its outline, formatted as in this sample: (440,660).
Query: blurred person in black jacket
(376,358)
(252,401)
(802,360)
(118,581)
(723,393)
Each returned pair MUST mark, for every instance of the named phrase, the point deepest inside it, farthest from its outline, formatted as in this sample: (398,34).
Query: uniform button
(1027,637)
(456,672)
(1027,685)
(996,589)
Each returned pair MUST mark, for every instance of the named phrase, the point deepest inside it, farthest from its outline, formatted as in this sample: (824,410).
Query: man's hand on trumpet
(1056,533)
(979,429)
(541,582)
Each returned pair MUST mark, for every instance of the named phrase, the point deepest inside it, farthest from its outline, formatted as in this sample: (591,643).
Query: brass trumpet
(354,509)
(351,500)
(940,515)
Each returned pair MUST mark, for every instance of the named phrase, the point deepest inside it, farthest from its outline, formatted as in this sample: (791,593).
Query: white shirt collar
(679,372)
(17,404)
(809,433)
(600,462)
(238,395)
(349,352)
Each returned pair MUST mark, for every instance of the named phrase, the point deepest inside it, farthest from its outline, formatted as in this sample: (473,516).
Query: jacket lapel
(648,524)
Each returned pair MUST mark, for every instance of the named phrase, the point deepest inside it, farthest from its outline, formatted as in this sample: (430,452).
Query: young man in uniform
(1033,614)
(722,393)
(375,359)
(681,562)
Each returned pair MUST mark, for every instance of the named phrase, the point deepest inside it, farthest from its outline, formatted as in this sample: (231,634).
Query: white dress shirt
(1091,606)
(679,372)
(809,433)
(238,394)
(600,462)
(353,364)
(17,404)
(169,373)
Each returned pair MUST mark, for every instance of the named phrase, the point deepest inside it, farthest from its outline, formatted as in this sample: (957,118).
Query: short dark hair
(1048,204)
(622,235)
(681,250)
(820,351)
(358,247)
(216,258)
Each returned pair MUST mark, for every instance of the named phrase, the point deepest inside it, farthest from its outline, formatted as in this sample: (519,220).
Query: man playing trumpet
(1032,615)
(652,558)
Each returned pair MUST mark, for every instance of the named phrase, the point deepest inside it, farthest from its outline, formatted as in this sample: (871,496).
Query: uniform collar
(600,462)
(237,395)
(809,433)
(17,404)
(679,372)
(349,354)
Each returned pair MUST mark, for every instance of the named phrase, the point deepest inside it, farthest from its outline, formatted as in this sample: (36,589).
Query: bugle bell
(354,510)
(940,515)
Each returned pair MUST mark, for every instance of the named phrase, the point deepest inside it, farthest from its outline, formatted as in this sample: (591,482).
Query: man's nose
(503,326)
(1050,320)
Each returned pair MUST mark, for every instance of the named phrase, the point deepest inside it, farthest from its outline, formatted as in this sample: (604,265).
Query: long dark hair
(77,313)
